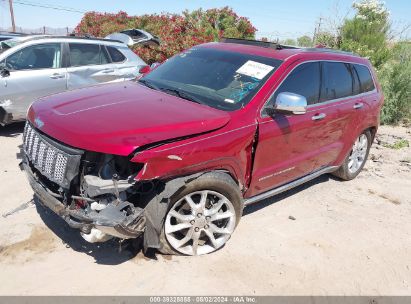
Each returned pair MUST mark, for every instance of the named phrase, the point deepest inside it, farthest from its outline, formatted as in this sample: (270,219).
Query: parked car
(7,35)
(36,66)
(178,154)
(135,36)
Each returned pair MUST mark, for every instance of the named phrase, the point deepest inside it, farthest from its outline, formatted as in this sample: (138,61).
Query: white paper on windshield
(255,69)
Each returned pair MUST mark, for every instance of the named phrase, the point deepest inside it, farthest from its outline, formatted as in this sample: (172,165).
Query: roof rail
(266,44)
(328,50)
(41,36)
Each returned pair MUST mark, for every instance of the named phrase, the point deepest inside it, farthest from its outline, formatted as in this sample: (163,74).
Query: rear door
(90,64)
(35,71)
(127,63)
(365,89)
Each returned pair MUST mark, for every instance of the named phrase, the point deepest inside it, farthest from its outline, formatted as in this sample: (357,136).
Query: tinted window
(87,54)
(367,84)
(303,80)
(338,81)
(40,56)
(116,55)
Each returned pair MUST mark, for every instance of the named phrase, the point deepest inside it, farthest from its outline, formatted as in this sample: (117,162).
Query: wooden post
(13,24)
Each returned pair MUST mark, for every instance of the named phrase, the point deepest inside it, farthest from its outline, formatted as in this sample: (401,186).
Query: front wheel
(357,157)
(203,217)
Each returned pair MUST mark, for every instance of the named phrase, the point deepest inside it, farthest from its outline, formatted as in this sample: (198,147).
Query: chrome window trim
(264,115)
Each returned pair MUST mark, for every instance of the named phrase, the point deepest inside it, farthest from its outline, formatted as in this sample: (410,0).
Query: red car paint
(114,118)
(119,118)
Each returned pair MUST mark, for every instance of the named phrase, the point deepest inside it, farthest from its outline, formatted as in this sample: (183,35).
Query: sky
(273,19)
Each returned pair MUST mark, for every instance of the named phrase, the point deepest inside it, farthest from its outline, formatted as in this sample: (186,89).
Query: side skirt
(290,185)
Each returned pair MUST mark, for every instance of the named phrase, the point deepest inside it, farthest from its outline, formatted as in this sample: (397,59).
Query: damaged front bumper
(119,219)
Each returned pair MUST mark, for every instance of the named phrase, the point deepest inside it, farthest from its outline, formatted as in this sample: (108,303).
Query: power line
(59,8)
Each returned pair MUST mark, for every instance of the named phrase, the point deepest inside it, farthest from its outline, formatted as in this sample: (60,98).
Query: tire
(218,187)
(347,171)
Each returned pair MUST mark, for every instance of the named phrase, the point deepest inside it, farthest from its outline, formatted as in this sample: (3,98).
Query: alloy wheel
(358,154)
(200,222)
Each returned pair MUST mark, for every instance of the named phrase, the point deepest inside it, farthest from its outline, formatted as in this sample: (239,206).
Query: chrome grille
(58,163)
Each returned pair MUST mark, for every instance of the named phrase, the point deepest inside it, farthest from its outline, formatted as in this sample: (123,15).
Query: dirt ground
(343,238)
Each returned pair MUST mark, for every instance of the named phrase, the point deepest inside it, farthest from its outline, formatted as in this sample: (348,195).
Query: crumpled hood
(118,118)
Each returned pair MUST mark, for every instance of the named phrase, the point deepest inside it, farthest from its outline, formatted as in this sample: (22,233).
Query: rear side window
(87,54)
(303,80)
(116,55)
(366,81)
(338,82)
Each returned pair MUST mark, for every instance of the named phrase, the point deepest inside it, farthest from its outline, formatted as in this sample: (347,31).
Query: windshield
(220,79)
(7,44)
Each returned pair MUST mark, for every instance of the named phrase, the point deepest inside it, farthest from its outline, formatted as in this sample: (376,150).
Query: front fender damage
(158,205)
(148,219)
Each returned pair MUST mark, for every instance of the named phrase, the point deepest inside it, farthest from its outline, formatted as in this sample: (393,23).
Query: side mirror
(290,103)
(144,69)
(4,72)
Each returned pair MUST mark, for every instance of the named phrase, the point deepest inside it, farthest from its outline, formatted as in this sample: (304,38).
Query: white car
(35,66)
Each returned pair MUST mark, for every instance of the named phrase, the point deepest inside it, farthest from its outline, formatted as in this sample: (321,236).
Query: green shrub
(399,144)
(176,31)
(395,79)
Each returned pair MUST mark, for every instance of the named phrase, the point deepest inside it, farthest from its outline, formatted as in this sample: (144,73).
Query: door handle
(358,105)
(57,76)
(318,116)
(108,71)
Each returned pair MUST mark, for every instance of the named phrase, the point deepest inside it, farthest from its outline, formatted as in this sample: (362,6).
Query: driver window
(40,56)
(303,80)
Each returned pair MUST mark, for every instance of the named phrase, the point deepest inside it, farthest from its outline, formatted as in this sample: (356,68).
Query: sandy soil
(348,238)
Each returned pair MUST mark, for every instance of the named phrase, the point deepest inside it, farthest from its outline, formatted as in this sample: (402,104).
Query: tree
(326,39)
(177,32)
(220,22)
(395,79)
(289,41)
(367,33)
(304,41)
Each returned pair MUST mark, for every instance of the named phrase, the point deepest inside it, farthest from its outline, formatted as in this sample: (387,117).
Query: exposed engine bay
(95,192)
(108,196)
(105,201)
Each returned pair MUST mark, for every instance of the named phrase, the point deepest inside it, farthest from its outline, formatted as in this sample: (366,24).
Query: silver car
(36,66)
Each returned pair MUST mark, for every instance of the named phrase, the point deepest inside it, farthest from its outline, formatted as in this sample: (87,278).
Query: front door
(35,71)
(287,143)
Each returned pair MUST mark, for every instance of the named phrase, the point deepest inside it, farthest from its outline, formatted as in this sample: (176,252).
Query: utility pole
(317,29)
(13,24)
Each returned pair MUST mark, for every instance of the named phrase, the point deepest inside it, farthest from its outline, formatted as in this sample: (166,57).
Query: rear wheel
(357,157)
(203,217)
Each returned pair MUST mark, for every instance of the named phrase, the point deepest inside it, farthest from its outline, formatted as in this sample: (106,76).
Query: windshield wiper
(149,84)
(183,95)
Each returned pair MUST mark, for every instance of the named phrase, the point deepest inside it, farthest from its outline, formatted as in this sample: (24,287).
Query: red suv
(176,155)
